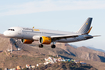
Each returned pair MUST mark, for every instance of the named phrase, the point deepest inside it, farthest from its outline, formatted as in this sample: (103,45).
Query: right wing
(57,37)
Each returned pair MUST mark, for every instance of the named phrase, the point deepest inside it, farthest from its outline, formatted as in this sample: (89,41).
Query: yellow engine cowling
(26,41)
(45,40)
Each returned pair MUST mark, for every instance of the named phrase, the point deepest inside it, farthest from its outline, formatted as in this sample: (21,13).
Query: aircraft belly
(26,36)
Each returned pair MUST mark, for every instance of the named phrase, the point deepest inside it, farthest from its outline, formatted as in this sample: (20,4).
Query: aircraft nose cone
(9,34)
(5,33)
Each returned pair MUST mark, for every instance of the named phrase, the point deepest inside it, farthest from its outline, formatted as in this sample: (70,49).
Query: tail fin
(85,29)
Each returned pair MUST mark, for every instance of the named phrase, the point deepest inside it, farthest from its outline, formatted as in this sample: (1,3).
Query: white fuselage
(29,33)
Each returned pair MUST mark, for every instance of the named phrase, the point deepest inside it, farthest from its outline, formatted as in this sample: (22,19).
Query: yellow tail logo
(89,30)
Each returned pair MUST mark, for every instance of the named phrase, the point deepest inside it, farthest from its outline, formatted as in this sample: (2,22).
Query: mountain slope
(83,52)
(32,54)
(96,49)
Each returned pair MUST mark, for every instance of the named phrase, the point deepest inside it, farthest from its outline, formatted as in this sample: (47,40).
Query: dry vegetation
(66,66)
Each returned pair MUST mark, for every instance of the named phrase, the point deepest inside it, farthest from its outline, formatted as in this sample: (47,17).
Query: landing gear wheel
(53,46)
(41,46)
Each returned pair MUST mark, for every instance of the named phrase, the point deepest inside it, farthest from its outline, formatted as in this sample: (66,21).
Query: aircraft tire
(53,46)
(41,46)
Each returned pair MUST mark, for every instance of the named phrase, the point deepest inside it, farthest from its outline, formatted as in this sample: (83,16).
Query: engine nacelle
(26,41)
(36,38)
(45,40)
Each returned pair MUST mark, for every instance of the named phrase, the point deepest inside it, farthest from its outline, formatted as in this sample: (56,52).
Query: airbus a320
(44,36)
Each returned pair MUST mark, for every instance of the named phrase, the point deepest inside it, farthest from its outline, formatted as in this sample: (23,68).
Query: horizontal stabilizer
(96,35)
(92,36)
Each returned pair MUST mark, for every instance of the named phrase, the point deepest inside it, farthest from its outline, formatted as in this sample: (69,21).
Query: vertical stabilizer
(86,27)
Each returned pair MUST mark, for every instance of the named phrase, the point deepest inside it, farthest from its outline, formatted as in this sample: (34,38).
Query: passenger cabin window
(11,30)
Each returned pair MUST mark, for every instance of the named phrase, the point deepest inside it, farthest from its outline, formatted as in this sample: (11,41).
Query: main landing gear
(52,46)
(41,46)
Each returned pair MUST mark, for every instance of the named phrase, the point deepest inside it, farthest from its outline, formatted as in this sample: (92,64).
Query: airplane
(45,36)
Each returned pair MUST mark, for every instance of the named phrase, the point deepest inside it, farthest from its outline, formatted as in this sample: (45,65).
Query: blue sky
(63,15)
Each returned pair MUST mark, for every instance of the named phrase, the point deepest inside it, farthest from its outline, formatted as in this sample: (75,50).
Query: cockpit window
(11,30)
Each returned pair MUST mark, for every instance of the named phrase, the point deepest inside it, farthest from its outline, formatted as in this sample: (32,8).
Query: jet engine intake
(26,41)
(45,40)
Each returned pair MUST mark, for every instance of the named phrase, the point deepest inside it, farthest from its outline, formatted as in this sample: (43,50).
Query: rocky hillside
(32,54)
(93,55)
(83,52)
(66,66)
